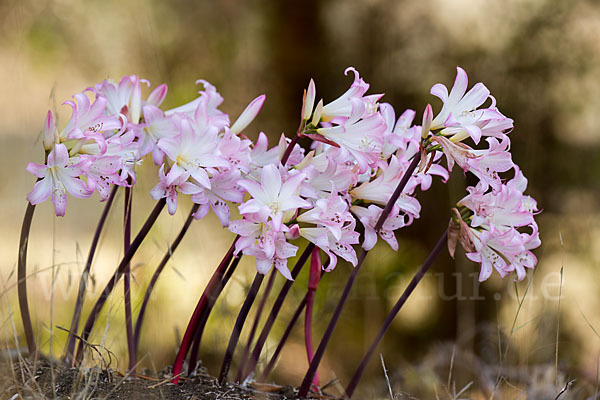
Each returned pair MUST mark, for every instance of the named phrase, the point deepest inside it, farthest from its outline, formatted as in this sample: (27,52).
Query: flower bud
(248,115)
(49,132)
(309,101)
(427,118)
(317,114)
(158,95)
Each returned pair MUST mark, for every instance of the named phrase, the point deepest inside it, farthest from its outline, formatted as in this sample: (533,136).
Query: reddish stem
(395,310)
(157,272)
(191,328)
(239,324)
(212,299)
(288,150)
(22,280)
(283,339)
(127,281)
(260,342)
(312,369)
(68,357)
(259,311)
(87,329)
(313,283)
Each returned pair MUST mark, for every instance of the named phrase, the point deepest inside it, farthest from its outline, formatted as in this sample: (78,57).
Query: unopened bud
(427,118)
(248,115)
(309,101)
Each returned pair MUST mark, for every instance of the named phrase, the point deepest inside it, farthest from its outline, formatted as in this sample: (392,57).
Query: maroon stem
(83,282)
(87,329)
(312,369)
(313,284)
(127,281)
(284,339)
(288,150)
(260,342)
(157,272)
(212,299)
(191,328)
(22,280)
(259,311)
(239,324)
(390,317)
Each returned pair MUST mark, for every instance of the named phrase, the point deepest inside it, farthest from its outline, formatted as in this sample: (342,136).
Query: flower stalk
(156,274)
(197,314)
(70,349)
(259,311)
(87,329)
(22,280)
(313,284)
(312,369)
(212,299)
(260,342)
(239,324)
(131,350)
(394,311)
(284,338)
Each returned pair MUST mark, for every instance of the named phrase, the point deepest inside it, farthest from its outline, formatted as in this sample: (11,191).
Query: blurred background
(539,58)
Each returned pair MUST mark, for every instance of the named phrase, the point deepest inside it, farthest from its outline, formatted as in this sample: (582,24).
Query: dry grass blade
(387,378)
(565,389)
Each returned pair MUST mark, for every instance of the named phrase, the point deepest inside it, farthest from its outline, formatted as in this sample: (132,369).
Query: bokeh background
(540,59)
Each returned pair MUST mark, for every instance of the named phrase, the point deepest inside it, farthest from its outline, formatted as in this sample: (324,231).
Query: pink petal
(75,186)
(41,191)
(158,95)
(270,179)
(59,156)
(38,170)
(440,91)
(60,203)
(248,114)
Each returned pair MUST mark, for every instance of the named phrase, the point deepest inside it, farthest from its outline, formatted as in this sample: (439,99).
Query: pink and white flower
(273,198)
(57,178)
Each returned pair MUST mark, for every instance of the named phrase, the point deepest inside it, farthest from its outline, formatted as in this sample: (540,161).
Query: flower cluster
(501,230)
(97,148)
(359,154)
(100,146)
(496,226)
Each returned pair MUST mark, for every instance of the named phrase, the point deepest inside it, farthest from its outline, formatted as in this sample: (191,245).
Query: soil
(43,380)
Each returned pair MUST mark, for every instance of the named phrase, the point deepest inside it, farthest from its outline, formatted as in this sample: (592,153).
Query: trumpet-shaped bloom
(369,217)
(342,247)
(458,102)
(265,242)
(380,189)
(191,153)
(494,237)
(273,196)
(169,189)
(332,213)
(362,138)
(343,105)
(57,178)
